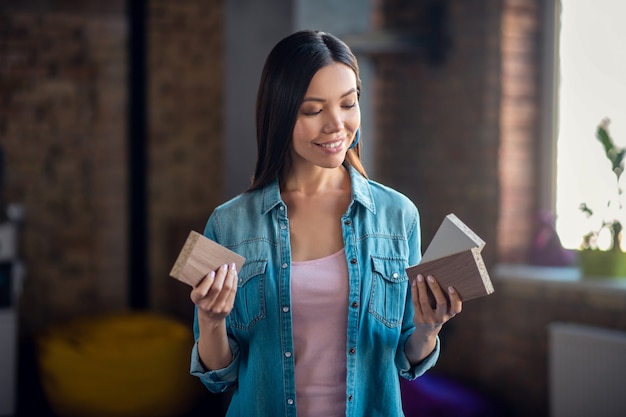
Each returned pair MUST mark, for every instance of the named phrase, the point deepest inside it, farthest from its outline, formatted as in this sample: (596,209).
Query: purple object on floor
(436,396)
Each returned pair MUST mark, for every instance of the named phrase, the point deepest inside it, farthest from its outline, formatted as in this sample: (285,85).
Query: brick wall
(185,83)
(63,131)
(438,122)
(519,127)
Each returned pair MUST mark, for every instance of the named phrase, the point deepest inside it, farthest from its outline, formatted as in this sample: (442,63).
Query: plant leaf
(585,209)
(613,153)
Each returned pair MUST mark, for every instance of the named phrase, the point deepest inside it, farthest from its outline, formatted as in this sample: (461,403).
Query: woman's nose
(333,122)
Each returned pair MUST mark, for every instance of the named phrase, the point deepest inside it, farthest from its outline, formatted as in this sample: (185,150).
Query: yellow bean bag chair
(127,364)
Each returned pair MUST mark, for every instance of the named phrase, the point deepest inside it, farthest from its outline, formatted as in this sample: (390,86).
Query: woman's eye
(349,106)
(311,112)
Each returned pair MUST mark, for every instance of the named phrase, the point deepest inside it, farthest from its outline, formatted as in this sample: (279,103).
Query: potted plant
(612,262)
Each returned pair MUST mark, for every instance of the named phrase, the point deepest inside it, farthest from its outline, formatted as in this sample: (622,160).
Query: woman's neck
(316,180)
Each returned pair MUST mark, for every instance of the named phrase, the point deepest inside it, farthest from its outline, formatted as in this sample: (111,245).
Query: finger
(202,288)
(440,298)
(226,298)
(220,277)
(456,304)
(415,298)
(232,286)
(213,289)
(424,299)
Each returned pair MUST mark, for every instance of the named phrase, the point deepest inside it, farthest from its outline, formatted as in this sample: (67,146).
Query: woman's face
(328,118)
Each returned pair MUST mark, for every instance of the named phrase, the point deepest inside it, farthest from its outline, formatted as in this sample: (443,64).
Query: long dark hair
(288,70)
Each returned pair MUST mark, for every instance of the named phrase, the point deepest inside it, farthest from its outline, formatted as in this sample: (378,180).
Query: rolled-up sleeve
(219,380)
(411,372)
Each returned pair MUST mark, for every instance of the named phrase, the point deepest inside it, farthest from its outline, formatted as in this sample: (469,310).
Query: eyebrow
(347,93)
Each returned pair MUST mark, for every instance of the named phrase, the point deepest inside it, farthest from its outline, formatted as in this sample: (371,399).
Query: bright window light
(592,87)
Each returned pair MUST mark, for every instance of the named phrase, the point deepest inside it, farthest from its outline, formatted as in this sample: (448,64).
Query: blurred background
(124,123)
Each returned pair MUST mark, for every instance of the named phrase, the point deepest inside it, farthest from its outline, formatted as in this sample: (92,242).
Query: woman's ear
(357,137)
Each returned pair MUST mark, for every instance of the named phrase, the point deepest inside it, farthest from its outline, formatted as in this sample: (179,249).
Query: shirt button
(395,275)
(352,351)
(290,401)
(281,208)
(348,222)
(355,304)
(283,227)
(285,309)
(288,354)
(284,265)
(353,261)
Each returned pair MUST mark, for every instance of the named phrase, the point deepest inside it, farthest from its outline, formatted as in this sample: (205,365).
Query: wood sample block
(199,256)
(453,258)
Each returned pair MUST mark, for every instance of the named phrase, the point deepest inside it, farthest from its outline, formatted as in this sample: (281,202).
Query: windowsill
(562,277)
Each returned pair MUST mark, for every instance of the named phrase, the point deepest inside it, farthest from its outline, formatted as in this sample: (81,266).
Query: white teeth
(330,145)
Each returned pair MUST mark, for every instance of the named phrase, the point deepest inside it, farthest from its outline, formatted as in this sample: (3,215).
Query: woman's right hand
(214,297)
(215,294)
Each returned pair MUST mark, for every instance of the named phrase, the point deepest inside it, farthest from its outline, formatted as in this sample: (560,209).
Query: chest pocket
(389,286)
(249,305)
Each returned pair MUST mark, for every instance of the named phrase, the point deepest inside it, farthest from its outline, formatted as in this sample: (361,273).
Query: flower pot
(602,264)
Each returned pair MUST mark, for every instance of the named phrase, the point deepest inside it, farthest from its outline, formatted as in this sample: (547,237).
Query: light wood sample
(199,256)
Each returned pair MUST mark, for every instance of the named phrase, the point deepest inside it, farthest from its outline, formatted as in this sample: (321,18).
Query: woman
(322,318)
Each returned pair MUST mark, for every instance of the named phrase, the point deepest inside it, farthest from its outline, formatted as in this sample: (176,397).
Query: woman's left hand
(428,316)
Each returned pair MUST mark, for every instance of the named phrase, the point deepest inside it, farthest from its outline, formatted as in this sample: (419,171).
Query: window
(591,86)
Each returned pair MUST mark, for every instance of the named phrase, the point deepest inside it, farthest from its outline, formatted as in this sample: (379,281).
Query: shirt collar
(271,196)
(361,190)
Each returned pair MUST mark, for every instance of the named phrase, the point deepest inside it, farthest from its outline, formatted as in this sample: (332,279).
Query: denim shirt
(381,235)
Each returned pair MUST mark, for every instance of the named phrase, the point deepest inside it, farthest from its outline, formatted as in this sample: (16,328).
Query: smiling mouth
(331,145)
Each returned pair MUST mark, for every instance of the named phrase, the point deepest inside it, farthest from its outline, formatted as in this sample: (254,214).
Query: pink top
(319,293)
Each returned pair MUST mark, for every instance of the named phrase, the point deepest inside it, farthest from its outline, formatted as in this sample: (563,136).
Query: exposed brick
(185,129)
(54,127)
